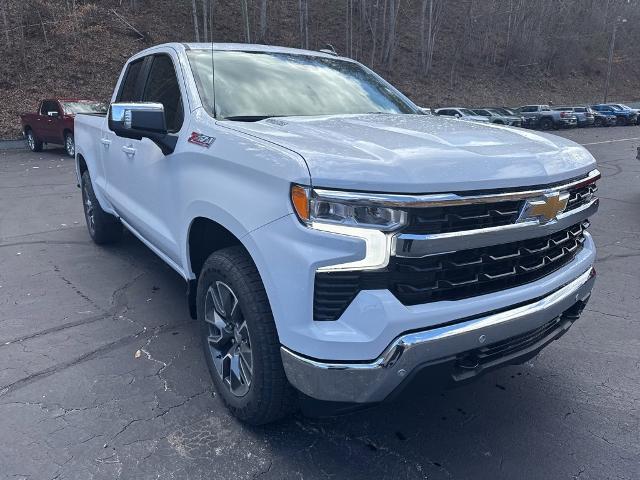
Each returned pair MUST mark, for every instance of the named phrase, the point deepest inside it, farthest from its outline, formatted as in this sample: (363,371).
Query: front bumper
(456,344)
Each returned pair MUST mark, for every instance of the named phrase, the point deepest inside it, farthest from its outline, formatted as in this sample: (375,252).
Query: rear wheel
(69,144)
(597,122)
(546,123)
(239,338)
(621,121)
(34,144)
(103,227)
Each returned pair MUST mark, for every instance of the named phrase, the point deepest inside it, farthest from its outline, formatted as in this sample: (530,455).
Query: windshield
(72,108)
(255,85)
(467,112)
(502,111)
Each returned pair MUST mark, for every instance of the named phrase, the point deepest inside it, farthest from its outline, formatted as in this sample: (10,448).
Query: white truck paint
(243,181)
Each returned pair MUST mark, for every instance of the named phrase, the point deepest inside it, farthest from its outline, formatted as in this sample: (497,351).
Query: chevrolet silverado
(334,239)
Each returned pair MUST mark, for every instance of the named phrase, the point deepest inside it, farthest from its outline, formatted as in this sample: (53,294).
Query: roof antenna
(330,50)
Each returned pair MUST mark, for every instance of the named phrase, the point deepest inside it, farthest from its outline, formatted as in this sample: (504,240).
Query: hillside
(503,52)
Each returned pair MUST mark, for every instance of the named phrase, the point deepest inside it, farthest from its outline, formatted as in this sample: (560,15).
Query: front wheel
(69,144)
(240,340)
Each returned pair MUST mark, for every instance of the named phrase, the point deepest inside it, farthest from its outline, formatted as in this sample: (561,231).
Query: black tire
(597,122)
(103,227)
(69,144)
(621,121)
(546,123)
(267,395)
(34,144)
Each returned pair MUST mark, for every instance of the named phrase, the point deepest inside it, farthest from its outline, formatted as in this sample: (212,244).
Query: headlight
(343,213)
(337,208)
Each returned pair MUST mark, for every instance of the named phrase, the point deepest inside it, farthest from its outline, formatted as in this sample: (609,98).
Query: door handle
(105,142)
(130,151)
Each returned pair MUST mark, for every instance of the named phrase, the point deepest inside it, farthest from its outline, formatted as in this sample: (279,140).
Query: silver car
(495,116)
(461,113)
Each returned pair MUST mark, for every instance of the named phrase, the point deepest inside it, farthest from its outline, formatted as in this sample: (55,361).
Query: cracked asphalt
(76,403)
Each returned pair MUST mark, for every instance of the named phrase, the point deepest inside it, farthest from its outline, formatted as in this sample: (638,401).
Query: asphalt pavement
(77,402)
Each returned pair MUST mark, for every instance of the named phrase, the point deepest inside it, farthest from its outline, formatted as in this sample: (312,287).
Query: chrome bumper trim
(410,245)
(373,381)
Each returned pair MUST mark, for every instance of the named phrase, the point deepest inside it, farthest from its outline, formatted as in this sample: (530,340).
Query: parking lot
(78,402)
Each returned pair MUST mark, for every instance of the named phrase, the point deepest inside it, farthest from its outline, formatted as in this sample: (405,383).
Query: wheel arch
(81,167)
(207,234)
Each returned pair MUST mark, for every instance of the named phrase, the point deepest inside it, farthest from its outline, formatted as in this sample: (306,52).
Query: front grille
(581,196)
(451,276)
(462,217)
(434,220)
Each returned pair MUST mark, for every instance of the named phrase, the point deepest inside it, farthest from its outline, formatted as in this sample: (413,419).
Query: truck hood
(420,153)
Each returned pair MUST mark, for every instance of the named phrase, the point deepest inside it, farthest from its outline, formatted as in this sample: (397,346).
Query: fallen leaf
(137,354)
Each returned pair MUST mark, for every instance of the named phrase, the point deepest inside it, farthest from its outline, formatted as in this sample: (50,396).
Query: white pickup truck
(335,240)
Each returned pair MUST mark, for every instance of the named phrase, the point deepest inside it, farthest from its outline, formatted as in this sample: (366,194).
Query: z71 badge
(201,139)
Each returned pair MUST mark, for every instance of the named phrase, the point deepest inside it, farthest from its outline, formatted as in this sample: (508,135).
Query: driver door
(138,173)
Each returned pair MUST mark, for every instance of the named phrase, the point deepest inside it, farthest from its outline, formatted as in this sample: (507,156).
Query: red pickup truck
(53,123)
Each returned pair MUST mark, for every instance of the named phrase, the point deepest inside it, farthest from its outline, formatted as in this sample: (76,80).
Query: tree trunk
(263,21)
(205,21)
(303,7)
(196,28)
(394,8)
(245,18)
(5,22)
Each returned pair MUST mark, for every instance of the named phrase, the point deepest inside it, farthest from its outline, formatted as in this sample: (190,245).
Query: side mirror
(458,115)
(53,114)
(139,120)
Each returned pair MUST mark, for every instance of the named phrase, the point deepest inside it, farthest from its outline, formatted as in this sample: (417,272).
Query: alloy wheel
(31,141)
(70,146)
(228,339)
(89,211)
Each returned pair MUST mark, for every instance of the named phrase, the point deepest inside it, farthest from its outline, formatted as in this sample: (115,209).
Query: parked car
(584,115)
(526,122)
(495,116)
(623,117)
(546,118)
(602,119)
(330,246)
(630,109)
(461,113)
(53,123)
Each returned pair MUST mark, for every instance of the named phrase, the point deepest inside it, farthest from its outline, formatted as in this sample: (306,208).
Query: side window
(528,109)
(48,106)
(162,87)
(128,88)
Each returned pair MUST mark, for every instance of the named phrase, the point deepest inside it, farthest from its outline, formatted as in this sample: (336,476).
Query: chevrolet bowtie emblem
(544,209)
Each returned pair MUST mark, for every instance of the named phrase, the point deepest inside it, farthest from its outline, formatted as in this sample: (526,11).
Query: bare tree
(195,20)
(245,20)
(5,22)
(303,8)
(429,31)
(205,20)
(263,21)
(392,21)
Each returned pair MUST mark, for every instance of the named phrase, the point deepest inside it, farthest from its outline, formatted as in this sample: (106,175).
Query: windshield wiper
(249,118)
